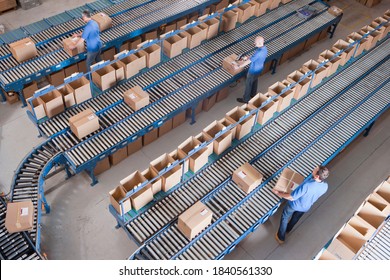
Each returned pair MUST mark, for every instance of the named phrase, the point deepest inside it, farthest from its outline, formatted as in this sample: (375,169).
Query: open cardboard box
(319,74)
(222,142)
(372,38)
(195,35)
(267,112)
(347,53)
(302,87)
(37,108)
(384,191)
(52,102)
(173,46)
(197,160)
(229,20)
(245,126)
(333,64)
(202,138)
(67,96)
(149,175)
(273,4)
(81,89)
(245,11)
(153,55)
(104,77)
(170,178)
(354,36)
(141,198)
(119,70)
(287,96)
(178,156)
(229,65)
(363,227)
(115,196)
(380,203)
(213,25)
(371,214)
(132,64)
(327,256)
(260,6)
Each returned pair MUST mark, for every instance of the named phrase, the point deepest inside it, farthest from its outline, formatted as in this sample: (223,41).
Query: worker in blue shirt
(256,62)
(91,35)
(300,201)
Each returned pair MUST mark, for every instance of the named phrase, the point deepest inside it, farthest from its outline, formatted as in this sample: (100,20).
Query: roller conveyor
(305,147)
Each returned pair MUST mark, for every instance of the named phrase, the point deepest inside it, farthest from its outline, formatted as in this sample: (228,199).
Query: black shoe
(241,100)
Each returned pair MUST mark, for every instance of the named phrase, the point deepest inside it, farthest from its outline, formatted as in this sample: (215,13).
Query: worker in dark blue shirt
(91,35)
(300,201)
(256,62)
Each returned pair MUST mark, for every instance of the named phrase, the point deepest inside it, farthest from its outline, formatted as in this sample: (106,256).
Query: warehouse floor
(80,226)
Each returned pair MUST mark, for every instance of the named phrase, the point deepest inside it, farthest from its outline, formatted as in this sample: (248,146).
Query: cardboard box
(319,74)
(372,38)
(168,27)
(371,214)
(69,42)
(380,203)
(229,20)
(151,35)
(333,63)
(115,196)
(104,78)
(142,197)
(82,65)
(181,22)
(247,177)
(118,156)
(134,147)
(267,112)
(347,51)
(226,122)
(385,29)
(194,220)
(351,38)
(287,96)
(37,108)
(103,20)
(101,166)
(221,143)
(11,97)
(222,94)
(133,64)
(170,178)
(245,11)
(136,98)
(351,238)
(213,25)
(273,4)
(81,89)
(364,228)
(152,54)
(336,11)
(326,255)
(292,52)
(119,70)
(209,102)
(195,35)
(260,6)
(23,49)
(340,250)
(197,109)
(52,102)
(67,96)
(131,44)
(221,5)
(202,138)
(384,191)
(109,54)
(19,216)
(229,65)
(149,175)
(150,137)
(244,127)
(57,78)
(179,156)
(30,89)
(173,46)
(288,181)
(165,128)
(70,70)
(197,160)
(302,87)
(179,119)
(84,123)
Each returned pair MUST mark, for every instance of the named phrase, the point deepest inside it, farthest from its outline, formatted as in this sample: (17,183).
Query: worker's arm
(283,195)
(242,63)
(77,34)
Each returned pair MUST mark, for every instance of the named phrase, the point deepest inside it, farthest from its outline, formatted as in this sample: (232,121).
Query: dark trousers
(250,86)
(92,58)
(289,218)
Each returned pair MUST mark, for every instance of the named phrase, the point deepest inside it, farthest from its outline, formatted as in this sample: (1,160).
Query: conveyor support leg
(193,108)
(2,95)
(273,65)
(68,173)
(45,204)
(367,131)
(21,97)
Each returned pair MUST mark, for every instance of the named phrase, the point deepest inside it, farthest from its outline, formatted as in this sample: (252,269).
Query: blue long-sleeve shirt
(257,61)
(91,34)
(307,194)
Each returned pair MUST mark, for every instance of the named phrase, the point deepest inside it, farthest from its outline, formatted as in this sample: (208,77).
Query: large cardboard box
(229,64)
(333,62)
(29,90)
(302,87)
(142,197)
(202,138)
(245,126)
(287,96)
(197,160)
(194,220)
(267,112)
(69,42)
(173,46)
(179,119)
(170,178)
(247,177)
(19,216)
(101,166)
(222,142)
(84,123)
(70,70)
(165,128)
(364,44)
(149,175)
(222,94)
(288,181)
(150,137)
(119,70)
(67,96)
(136,98)
(209,102)
(103,20)
(260,6)
(134,146)
(347,50)
(371,214)
(245,11)
(109,54)
(23,49)
(115,196)
(105,77)
(195,35)
(229,20)
(82,65)
(118,156)
(52,102)
(6,5)
(351,238)
(81,89)
(133,64)
(57,78)
(226,122)
(319,74)
(213,25)
(152,54)
(37,108)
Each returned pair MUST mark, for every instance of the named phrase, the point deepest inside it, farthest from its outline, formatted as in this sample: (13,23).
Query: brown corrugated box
(320,73)
(173,46)
(84,123)
(81,89)
(209,102)
(226,122)
(29,89)
(384,190)
(213,25)
(245,126)
(288,181)
(380,203)
(247,177)
(372,38)
(19,216)
(371,214)
(202,138)
(336,11)
(168,27)
(364,228)
(52,102)
(229,65)
(181,22)
(109,54)
(115,196)
(287,96)
(221,143)
(172,177)
(179,119)
(347,53)
(194,220)
(12,97)
(57,78)
(165,128)
(118,156)
(71,70)
(354,36)
(222,94)
(352,241)
(119,70)
(105,77)
(195,35)
(134,147)
(151,35)
(133,64)
(179,156)
(141,198)
(37,108)
(245,11)
(103,20)
(152,54)
(302,87)
(333,64)
(150,137)
(101,166)
(150,174)
(67,96)
(197,160)
(82,65)
(229,20)
(136,98)
(326,255)
(273,4)
(23,49)
(260,6)
(69,42)
(267,112)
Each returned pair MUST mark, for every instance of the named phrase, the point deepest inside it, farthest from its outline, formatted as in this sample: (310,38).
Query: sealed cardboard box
(245,11)
(302,87)
(260,6)
(230,65)
(266,112)
(105,77)
(195,35)
(118,156)
(67,96)
(170,178)
(319,74)
(52,102)
(103,20)
(222,142)
(194,220)
(133,64)
(165,128)
(142,197)
(222,94)
(136,98)
(229,20)
(109,54)
(247,178)
(354,36)
(213,25)
(286,97)
(288,181)
(134,146)
(149,175)
(119,70)
(117,195)
(101,166)
(179,119)
(333,62)
(202,138)
(81,89)
(57,78)
(209,102)
(11,97)
(313,39)
(84,123)
(197,160)
(197,109)
(23,50)
(336,11)
(37,108)
(150,137)
(19,216)
(29,90)
(347,50)
(68,46)
(152,54)
(70,70)
(173,46)
(245,126)
(179,156)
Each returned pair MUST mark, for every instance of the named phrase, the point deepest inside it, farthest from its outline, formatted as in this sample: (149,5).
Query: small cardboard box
(152,54)
(229,20)
(179,156)
(229,65)
(165,128)
(57,78)
(69,42)
(105,77)
(209,102)
(193,17)
(302,87)
(81,89)
(170,178)
(149,175)
(37,108)
(222,94)
(29,90)
(260,6)
(277,100)
(115,196)
(103,20)
(23,50)
(372,38)
(134,147)
(267,112)
(222,142)
(179,119)
(385,29)
(384,191)
(288,181)
(371,214)
(247,177)
(133,64)
(333,63)
(195,35)
(136,98)
(118,156)
(150,137)
(320,73)
(67,96)
(141,198)
(70,70)
(273,4)
(226,122)
(119,70)
(194,220)
(245,126)
(347,53)
(84,123)
(245,11)
(287,96)
(354,36)
(213,25)
(336,11)
(351,238)
(52,102)
(151,35)
(109,54)
(19,216)
(201,138)
(11,97)
(101,166)
(197,160)
(173,46)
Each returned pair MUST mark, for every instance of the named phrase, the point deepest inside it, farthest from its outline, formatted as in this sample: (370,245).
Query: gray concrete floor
(80,226)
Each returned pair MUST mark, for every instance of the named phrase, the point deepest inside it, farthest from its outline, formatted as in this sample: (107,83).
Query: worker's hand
(276,192)
(235,65)
(245,58)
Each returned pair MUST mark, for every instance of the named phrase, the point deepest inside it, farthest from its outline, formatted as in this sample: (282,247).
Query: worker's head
(259,41)
(320,173)
(86,16)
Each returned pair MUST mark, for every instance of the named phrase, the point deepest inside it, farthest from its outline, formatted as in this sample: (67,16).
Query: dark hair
(86,13)
(322,172)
